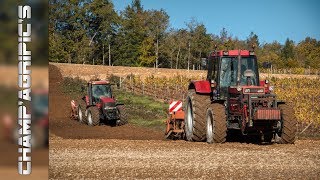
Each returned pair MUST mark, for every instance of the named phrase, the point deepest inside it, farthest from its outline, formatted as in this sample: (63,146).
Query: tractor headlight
(253,90)
(260,90)
(271,88)
(109,108)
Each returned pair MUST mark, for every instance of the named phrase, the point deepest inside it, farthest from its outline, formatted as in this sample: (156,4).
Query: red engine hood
(107,100)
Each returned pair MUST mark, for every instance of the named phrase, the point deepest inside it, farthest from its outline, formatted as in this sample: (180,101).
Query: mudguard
(202,87)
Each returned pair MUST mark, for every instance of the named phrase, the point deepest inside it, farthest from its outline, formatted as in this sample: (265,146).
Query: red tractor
(232,98)
(98,106)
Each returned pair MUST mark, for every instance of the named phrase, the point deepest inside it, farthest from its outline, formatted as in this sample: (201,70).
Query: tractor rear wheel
(93,116)
(81,109)
(195,116)
(288,130)
(216,124)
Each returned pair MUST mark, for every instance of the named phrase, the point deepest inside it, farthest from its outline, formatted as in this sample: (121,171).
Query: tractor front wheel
(93,116)
(195,116)
(287,133)
(216,124)
(123,117)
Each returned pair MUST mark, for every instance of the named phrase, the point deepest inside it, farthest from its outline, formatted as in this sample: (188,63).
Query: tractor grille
(267,114)
(112,114)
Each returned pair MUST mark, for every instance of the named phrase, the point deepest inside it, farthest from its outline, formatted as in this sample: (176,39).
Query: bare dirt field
(154,159)
(78,151)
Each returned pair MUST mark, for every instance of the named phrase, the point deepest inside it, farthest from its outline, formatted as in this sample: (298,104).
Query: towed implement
(175,121)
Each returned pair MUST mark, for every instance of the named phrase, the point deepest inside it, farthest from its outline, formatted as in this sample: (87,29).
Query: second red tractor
(98,106)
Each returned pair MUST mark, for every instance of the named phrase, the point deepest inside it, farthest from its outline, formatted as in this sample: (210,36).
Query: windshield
(229,71)
(101,90)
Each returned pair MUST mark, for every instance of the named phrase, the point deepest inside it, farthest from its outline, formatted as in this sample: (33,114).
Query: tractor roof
(99,82)
(233,53)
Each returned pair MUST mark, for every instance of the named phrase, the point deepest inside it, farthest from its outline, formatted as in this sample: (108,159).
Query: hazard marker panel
(175,106)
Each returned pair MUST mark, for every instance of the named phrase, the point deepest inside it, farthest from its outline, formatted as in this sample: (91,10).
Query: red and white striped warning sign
(175,106)
(73,103)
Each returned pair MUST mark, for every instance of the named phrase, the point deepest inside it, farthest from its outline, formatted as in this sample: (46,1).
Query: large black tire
(93,116)
(216,124)
(123,117)
(195,116)
(287,134)
(81,111)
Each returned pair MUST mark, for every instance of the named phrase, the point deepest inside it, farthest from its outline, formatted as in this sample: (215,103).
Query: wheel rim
(89,118)
(80,114)
(279,126)
(209,125)
(189,117)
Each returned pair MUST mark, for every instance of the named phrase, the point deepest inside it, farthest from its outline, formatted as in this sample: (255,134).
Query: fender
(202,86)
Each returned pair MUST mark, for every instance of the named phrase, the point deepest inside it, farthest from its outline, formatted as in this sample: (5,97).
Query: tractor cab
(98,90)
(233,68)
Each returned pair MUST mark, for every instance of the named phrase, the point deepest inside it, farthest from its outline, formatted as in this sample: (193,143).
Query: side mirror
(213,83)
(204,63)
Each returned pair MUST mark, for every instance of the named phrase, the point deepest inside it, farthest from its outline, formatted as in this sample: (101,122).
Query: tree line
(92,32)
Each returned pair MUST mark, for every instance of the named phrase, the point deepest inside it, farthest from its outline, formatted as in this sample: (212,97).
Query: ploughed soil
(155,159)
(78,151)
